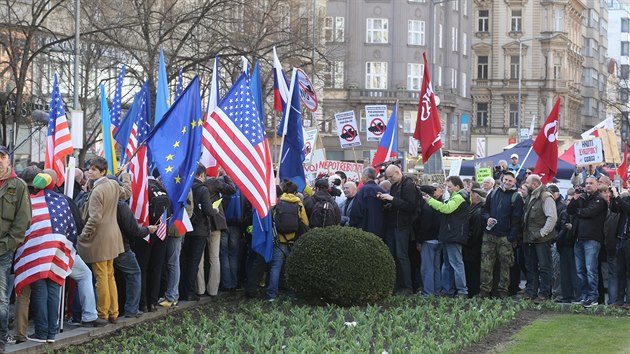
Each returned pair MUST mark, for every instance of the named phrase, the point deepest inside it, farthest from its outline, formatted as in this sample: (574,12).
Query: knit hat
(42,180)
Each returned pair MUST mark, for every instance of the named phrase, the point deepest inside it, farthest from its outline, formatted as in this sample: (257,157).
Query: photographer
(590,214)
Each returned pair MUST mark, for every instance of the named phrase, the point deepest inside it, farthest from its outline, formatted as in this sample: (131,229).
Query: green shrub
(341,265)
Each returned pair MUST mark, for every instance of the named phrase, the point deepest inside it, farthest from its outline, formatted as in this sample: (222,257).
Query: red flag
(622,171)
(546,146)
(428,126)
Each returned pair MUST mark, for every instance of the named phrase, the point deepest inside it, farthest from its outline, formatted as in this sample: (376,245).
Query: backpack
(158,202)
(233,210)
(286,217)
(324,213)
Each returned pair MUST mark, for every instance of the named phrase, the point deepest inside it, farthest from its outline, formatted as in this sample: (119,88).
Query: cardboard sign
(310,137)
(483,170)
(347,130)
(376,118)
(589,152)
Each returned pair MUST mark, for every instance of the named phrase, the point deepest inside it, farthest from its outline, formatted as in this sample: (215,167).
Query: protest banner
(310,136)
(588,152)
(347,129)
(376,118)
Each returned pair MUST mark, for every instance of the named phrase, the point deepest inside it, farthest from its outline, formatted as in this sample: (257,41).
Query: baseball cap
(4,150)
(482,193)
(321,183)
(514,156)
(511,173)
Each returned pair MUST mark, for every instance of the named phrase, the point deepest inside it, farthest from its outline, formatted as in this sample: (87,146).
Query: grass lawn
(234,325)
(573,334)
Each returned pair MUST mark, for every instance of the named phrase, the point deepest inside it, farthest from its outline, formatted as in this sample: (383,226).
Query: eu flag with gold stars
(175,143)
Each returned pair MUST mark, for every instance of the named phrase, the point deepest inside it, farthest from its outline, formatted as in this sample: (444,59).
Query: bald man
(400,209)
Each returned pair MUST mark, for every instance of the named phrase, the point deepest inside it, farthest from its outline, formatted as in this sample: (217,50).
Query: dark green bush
(341,265)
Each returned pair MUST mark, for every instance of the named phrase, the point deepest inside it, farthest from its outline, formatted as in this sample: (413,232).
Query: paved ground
(77,335)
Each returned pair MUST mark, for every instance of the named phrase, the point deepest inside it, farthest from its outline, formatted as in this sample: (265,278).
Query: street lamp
(520,84)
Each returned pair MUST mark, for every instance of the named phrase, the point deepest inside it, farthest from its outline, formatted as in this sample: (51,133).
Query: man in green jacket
(15,207)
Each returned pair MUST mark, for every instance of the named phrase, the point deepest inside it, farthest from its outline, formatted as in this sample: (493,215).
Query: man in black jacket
(399,217)
(590,211)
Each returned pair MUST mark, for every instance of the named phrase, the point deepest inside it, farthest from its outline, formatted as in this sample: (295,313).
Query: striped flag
(59,144)
(179,89)
(138,167)
(162,225)
(115,113)
(46,252)
(206,157)
(280,85)
(238,142)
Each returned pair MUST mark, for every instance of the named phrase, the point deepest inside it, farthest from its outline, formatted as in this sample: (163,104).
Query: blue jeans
(613,282)
(173,249)
(127,263)
(453,273)
(82,274)
(229,254)
(45,300)
(6,262)
(430,262)
(398,242)
(280,254)
(568,276)
(539,269)
(586,253)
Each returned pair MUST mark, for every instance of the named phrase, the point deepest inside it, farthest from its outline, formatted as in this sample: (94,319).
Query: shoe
(589,303)
(151,308)
(503,295)
(190,298)
(462,296)
(540,299)
(483,294)
(134,315)
(112,320)
(577,302)
(18,339)
(49,340)
(99,322)
(167,304)
(73,322)
(11,340)
(34,338)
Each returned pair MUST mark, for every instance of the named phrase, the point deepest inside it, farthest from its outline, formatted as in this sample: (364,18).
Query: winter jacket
(346,209)
(476,227)
(622,206)
(15,206)
(203,210)
(610,232)
(427,226)
(540,217)
(507,209)
(401,211)
(129,228)
(320,195)
(455,217)
(590,212)
(367,210)
(292,198)
(562,233)
(217,187)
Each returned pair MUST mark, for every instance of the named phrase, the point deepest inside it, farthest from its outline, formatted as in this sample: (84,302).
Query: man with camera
(590,214)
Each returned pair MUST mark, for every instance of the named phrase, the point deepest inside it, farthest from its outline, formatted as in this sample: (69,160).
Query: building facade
(619,52)
(375,50)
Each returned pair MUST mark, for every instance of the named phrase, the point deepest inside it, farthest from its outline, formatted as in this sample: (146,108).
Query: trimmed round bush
(342,265)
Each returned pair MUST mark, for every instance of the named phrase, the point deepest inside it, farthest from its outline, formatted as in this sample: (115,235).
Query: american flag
(162,225)
(206,157)
(47,252)
(115,113)
(59,143)
(179,89)
(138,167)
(239,144)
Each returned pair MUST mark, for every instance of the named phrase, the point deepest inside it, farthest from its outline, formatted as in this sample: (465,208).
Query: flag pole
(287,110)
(525,159)
(354,152)
(124,167)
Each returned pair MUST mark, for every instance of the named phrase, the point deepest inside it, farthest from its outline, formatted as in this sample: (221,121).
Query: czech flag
(389,143)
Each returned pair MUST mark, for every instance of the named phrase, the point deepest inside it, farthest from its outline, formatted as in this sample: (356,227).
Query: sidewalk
(73,335)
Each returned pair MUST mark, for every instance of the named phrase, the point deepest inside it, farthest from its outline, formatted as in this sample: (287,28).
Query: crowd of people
(460,238)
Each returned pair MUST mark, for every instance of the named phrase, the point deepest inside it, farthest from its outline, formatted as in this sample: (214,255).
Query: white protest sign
(347,129)
(329,167)
(310,137)
(376,118)
(456,166)
(589,152)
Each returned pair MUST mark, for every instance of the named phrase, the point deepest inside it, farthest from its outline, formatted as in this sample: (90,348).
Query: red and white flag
(59,142)
(162,226)
(46,252)
(428,126)
(622,170)
(546,146)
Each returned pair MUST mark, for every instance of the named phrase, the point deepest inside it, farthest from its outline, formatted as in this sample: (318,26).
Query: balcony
(363,94)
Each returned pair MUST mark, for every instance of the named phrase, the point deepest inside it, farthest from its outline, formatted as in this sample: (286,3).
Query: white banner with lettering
(589,152)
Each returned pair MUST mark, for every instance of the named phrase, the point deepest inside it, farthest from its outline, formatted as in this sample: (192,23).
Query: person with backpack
(290,218)
(238,215)
(502,214)
(151,254)
(321,208)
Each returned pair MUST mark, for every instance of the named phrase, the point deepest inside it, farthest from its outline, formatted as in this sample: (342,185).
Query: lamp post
(520,85)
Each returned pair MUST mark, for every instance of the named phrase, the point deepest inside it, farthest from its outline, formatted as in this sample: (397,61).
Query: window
(559,21)
(625,49)
(623,94)
(362,120)
(516,21)
(482,114)
(376,75)
(285,16)
(464,85)
(624,72)
(483,21)
(465,11)
(409,125)
(456,5)
(545,19)
(594,19)
(625,25)
(329,28)
(557,68)
(416,32)
(465,44)
(514,67)
(440,37)
(340,25)
(334,76)
(454,39)
(237,18)
(482,67)
(439,80)
(453,78)
(513,115)
(377,30)
(414,76)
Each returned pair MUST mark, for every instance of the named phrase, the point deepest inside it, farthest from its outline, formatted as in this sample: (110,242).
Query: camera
(580,190)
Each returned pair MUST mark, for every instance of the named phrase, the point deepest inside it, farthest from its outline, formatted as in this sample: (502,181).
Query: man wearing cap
(514,165)
(502,215)
(15,206)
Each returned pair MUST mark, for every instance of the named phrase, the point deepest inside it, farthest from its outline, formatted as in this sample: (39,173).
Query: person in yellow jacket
(289,220)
